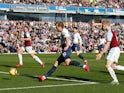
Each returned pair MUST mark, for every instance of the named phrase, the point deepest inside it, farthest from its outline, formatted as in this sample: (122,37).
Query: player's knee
(67,61)
(32,55)
(114,66)
(67,64)
(77,54)
(107,66)
(19,51)
(56,64)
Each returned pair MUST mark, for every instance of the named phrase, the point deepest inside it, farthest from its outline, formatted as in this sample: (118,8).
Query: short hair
(60,24)
(106,22)
(27,27)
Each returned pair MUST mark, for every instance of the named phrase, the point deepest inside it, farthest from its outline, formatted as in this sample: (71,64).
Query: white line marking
(4,72)
(80,82)
(72,80)
(45,86)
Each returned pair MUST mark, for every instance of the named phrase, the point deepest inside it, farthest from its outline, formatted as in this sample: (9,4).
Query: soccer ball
(13,71)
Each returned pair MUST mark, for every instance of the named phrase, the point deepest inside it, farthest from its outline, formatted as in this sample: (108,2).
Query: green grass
(97,73)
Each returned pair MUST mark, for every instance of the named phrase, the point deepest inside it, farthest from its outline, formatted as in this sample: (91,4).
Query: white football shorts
(29,49)
(22,48)
(114,54)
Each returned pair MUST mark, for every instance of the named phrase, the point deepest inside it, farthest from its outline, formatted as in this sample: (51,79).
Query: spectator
(84,3)
(42,35)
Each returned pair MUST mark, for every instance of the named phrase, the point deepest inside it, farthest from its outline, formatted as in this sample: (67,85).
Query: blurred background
(40,16)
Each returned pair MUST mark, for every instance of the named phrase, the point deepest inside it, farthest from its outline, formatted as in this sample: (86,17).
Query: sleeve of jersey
(28,34)
(109,36)
(66,34)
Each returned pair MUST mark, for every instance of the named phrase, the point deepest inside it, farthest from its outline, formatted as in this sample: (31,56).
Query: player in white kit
(77,44)
(66,52)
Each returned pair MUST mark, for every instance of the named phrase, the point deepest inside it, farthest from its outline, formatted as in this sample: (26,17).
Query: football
(13,71)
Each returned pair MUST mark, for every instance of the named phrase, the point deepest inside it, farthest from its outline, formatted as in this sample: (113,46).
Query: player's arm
(59,48)
(80,41)
(106,47)
(56,38)
(27,39)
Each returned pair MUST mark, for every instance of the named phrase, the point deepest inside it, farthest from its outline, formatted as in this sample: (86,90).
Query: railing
(60,9)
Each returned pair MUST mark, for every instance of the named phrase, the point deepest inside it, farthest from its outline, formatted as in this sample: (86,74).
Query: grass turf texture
(97,73)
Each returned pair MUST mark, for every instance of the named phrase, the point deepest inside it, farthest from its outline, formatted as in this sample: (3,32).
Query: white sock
(84,66)
(44,77)
(20,59)
(119,67)
(37,59)
(112,73)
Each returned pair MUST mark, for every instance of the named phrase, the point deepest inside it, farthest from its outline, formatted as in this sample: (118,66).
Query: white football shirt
(65,33)
(77,39)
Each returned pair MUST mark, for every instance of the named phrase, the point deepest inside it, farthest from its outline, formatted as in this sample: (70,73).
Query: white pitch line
(72,80)
(81,81)
(45,86)
(4,72)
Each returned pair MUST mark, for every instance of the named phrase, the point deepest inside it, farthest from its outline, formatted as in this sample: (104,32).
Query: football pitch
(66,79)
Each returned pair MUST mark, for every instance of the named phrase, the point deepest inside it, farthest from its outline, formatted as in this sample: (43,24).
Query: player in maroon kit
(27,42)
(114,52)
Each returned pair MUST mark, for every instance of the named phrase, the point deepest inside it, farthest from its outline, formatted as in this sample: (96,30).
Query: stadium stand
(42,35)
(42,31)
(84,3)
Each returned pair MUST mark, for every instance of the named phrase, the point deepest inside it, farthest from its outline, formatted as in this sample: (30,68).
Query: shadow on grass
(28,75)
(8,66)
(117,73)
(72,77)
(85,79)
(6,78)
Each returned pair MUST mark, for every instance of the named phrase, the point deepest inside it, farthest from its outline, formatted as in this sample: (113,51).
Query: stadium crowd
(42,34)
(84,3)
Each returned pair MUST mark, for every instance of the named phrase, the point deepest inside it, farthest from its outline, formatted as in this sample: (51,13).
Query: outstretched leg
(76,63)
(82,57)
(112,72)
(37,59)
(50,72)
(119,67)
(19,52)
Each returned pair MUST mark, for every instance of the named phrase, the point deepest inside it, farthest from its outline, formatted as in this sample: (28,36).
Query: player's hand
(98,57)
(81,47)
(58,51)
(22,39)
(65,48)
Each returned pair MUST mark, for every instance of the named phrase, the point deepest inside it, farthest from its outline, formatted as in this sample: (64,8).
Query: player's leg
(53,69)
(77,50)
(81,57)
(29,50)
(66,55)
(111,72)
(49,73)
(112,60)
(119,67)
(20,52)
(78,64)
